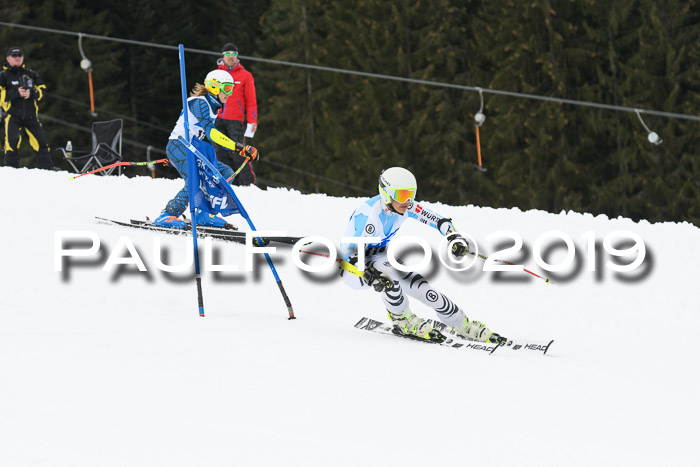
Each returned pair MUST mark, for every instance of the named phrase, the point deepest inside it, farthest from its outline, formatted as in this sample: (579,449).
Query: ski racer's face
(223,97)
(400,207)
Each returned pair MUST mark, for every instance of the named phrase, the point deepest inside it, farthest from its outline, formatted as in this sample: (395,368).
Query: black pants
(234,130)
(36,136)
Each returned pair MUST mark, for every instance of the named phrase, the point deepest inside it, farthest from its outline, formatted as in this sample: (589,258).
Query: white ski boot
(476,331)
(409,325)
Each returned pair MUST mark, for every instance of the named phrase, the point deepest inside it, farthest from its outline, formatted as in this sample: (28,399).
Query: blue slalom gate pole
(193,151)
(192,180)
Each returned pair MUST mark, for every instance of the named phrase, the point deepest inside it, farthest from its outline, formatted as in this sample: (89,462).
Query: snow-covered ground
(116,368)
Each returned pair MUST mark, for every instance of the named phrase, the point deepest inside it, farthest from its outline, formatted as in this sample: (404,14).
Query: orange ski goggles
(400,195)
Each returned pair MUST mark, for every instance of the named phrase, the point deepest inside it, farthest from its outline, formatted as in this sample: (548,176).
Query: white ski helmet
(398,184)
(218,81)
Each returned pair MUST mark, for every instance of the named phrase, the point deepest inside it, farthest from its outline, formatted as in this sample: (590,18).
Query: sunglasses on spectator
(16,55)
(230,54)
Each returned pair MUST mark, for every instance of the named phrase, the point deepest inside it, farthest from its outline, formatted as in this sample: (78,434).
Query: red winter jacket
(242,105)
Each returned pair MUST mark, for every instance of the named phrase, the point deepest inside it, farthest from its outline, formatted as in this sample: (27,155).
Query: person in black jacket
(21,89)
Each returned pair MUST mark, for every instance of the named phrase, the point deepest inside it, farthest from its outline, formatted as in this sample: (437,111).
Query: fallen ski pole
(117,164)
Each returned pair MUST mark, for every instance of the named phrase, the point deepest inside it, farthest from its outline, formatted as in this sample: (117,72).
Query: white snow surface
(116,367)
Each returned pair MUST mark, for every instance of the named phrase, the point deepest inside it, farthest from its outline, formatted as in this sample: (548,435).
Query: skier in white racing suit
(380,218)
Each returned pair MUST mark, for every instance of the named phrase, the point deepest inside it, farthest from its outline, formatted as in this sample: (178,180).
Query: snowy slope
(116,368)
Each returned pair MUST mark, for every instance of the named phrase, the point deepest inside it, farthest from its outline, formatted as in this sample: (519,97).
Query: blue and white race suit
(373,219)
(201,114)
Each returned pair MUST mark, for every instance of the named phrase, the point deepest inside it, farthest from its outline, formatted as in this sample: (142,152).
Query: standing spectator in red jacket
(241,108)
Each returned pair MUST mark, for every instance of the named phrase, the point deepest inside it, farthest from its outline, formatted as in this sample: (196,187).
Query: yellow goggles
(401,195)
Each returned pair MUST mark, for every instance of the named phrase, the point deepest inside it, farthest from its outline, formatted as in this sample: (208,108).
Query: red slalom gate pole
(117,164)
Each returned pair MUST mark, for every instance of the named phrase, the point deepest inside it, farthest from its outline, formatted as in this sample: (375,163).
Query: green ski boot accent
(409,325)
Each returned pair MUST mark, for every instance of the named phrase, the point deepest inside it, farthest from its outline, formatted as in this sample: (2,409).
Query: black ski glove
(460,247)
(381,282)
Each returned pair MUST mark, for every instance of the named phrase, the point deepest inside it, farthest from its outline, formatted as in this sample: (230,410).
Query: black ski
(228,234)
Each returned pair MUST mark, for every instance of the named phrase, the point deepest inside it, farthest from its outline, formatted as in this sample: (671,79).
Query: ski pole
(352,269)
(546,280)
(117,164)
(344,265)
(228,180)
